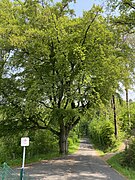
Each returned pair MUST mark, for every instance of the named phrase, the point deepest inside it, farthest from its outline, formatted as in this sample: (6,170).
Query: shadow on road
(84,165)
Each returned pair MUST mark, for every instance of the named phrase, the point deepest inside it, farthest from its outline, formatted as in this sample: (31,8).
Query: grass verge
(125,171)
(37,158)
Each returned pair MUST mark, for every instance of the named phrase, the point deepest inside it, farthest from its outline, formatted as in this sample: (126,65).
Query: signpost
(24,143)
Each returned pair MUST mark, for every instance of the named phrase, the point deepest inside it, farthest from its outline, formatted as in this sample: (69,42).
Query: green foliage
(41,142)
(83,125)
(126,118)
(115,162)
(126,9)
(102,134)
(55,68)
(73,136)
(73,140)
(132,117)
(129,155)
(10,148)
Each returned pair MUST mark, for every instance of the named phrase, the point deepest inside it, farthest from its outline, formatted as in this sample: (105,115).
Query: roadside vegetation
(43,146)
(117,163)
(101,133)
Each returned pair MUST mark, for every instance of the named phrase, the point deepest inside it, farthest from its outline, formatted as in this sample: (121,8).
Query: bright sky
(83,5)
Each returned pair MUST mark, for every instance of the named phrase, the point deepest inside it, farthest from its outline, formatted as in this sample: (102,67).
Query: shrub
(129,155)
(41,142)
(102,134)
(70,142)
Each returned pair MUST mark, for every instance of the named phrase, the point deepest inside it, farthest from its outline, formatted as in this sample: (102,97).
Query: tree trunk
(63,139)
(115,117)
(127,99)
(127,103)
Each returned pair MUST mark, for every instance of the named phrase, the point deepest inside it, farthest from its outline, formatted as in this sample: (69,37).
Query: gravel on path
(83,165)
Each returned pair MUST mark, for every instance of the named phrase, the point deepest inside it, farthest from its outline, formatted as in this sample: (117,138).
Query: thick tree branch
(36,124)
(66,103)
(85,35)
(54,131)
(129,4)
(73,124)
(41,102)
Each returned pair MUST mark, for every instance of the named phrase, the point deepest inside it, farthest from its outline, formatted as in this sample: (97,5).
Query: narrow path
(109,155)
(83,165)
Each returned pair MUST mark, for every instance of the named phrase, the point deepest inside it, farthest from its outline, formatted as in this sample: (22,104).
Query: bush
(102,134)
(73,137)
(70,142)
(41,142)
(129,155)
(10,148)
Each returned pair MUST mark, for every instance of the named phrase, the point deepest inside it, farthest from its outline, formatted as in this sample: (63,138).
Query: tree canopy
(126,10)
(54,66)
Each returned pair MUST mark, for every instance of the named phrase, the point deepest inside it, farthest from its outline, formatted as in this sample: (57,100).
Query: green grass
(74,147)
(115,163)
(99,152)
(37,158)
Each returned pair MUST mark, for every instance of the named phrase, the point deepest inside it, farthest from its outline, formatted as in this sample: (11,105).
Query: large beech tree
(54,66)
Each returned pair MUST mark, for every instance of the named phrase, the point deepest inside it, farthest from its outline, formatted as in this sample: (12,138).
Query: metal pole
(22,170)
(23,157)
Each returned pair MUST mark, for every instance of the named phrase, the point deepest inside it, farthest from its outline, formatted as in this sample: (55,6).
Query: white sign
(25,141)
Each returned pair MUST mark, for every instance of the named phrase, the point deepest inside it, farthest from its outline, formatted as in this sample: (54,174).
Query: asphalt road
(83,165)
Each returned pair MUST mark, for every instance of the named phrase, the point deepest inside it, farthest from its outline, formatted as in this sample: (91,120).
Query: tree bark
(63,139)
(115,117)
(127,99)
(127,103)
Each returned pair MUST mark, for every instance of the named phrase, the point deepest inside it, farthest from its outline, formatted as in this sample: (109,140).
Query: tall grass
(116,161)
